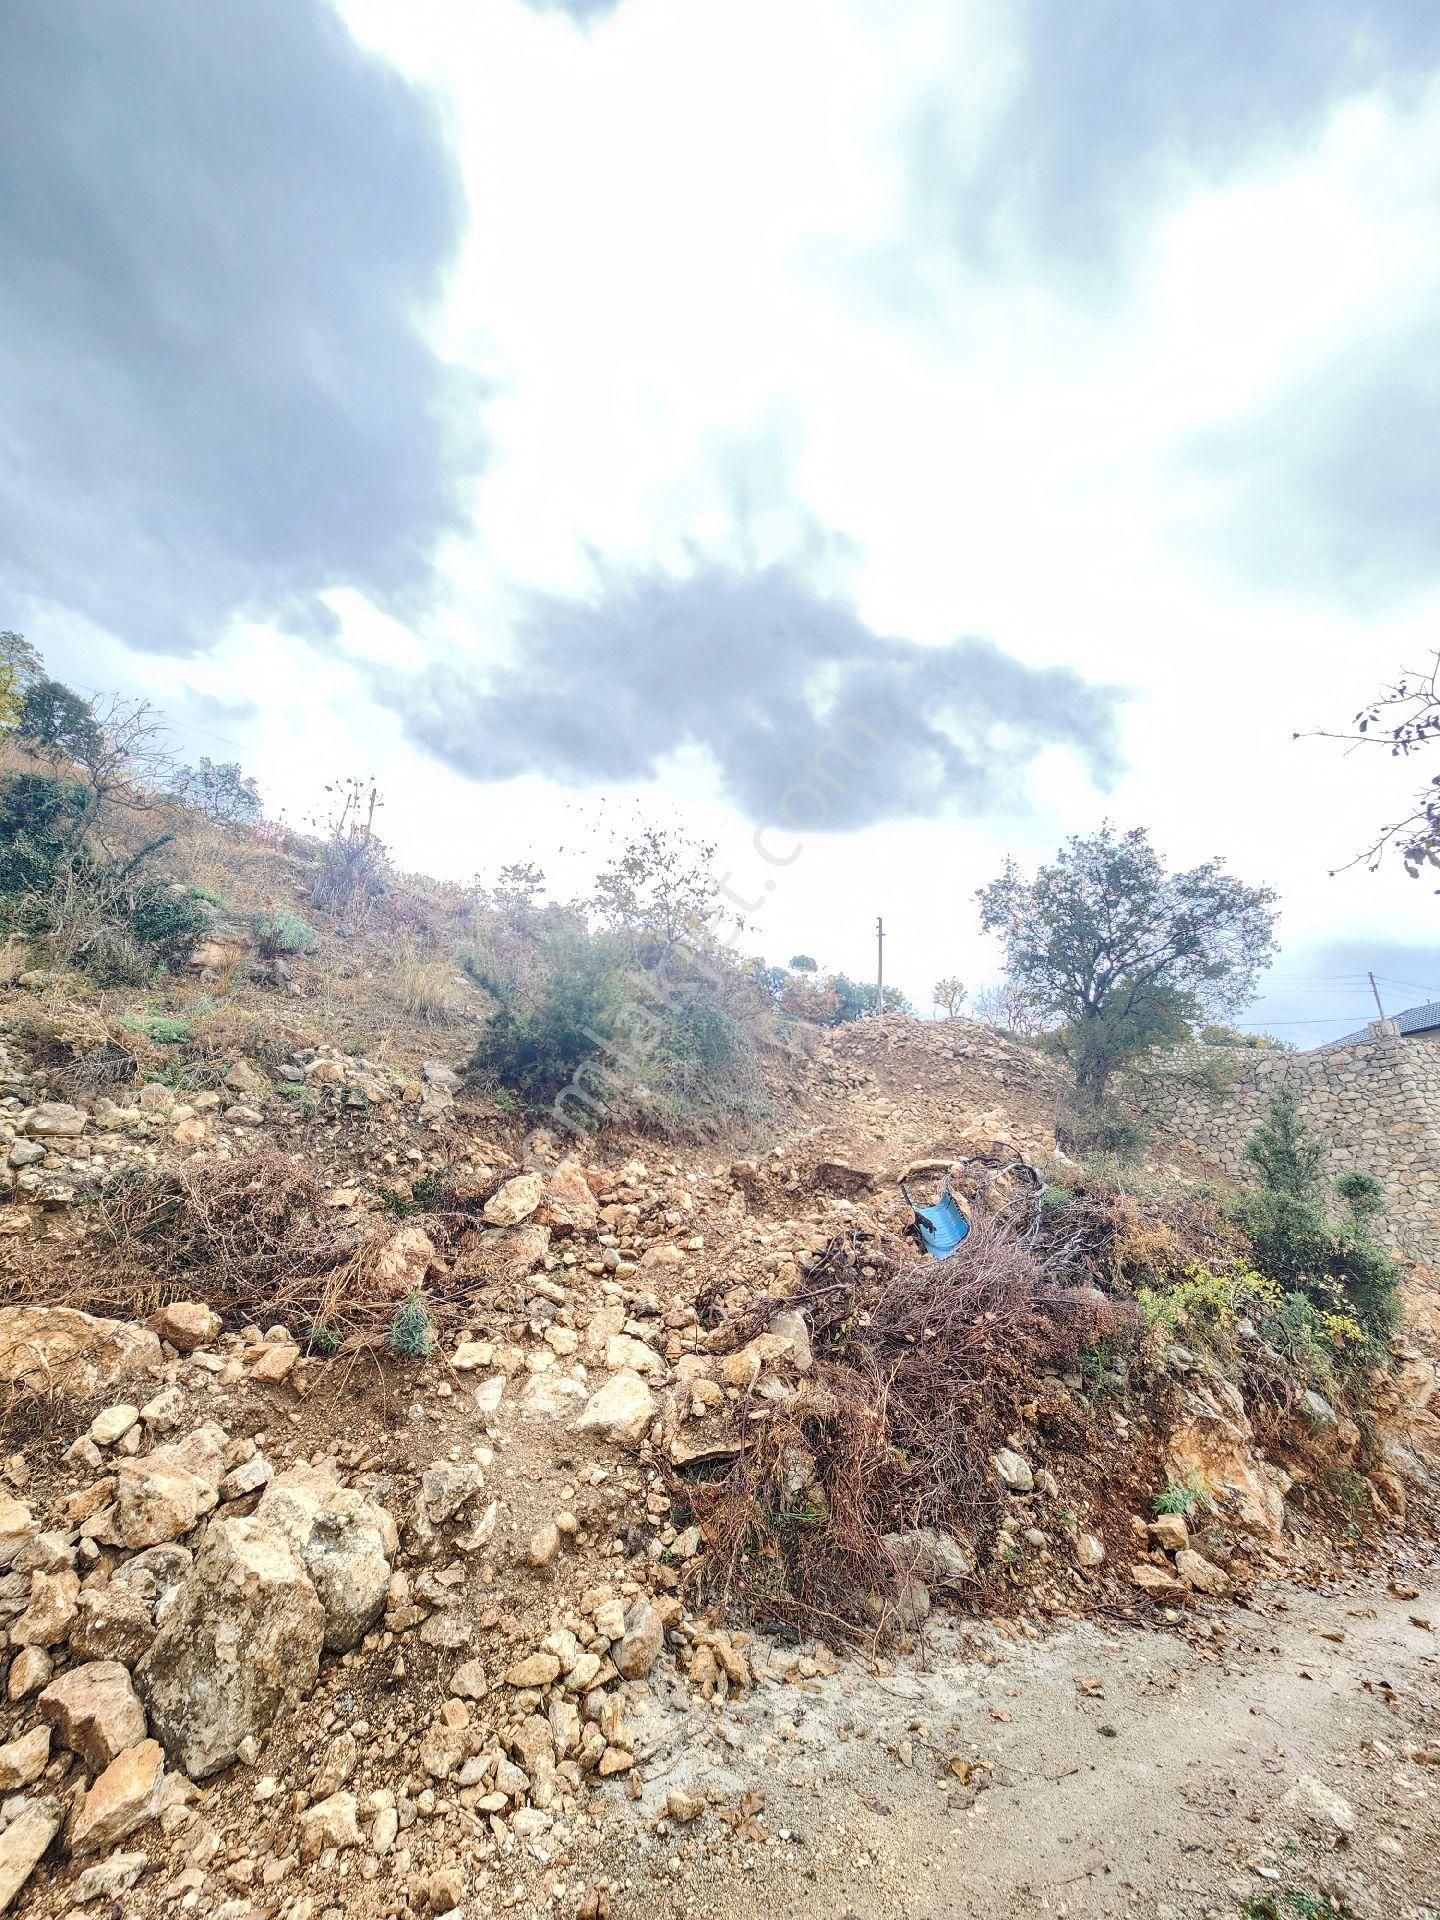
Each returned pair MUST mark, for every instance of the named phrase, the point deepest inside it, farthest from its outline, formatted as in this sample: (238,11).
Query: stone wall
(1377,1101)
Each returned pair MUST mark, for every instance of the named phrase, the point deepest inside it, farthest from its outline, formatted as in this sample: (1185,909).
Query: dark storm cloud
(1336,486)
(1119,100)
(789,692)
(221,227)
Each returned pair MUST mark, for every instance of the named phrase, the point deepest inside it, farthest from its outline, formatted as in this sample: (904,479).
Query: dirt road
(1113,1773)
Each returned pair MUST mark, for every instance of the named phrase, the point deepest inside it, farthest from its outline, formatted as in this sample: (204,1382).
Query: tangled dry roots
(917,1380)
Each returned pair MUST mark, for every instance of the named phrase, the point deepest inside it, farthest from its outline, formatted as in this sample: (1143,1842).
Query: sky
(877,436)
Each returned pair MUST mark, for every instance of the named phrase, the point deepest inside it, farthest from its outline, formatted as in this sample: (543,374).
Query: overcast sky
(558,409)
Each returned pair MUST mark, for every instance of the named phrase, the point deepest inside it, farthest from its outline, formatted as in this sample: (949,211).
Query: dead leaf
(1091,1685)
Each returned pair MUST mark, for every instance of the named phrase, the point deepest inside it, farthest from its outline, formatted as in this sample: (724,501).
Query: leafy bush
(1295,1240)
(278,933)
(40,823)
(538,1042)
(1181,1496)
(168,920)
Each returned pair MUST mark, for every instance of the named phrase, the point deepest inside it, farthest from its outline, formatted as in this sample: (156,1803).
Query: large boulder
(345,1543)
(48,1347)
(242,1637)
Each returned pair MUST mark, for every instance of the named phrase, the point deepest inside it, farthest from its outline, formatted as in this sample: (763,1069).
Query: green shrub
(282,932)
(40,822)
(168,920)
(1181,1496)
(1296,1242)
(412,1333)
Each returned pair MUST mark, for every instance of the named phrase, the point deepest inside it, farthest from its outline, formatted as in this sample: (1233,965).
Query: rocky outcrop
(44,1348)
(243,1636)
(1212,1444)
(345,1544)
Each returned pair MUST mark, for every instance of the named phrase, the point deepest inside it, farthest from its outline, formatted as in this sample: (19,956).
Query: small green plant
(1292,1903)
(165,1029)
(1181,1496)
(280,933)
(322,1340)
(412,1331)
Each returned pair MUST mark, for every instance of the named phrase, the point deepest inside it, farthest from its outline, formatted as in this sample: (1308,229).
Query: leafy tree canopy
(1123,954)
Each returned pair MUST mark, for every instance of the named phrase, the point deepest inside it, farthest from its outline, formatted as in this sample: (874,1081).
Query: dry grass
(918,1379)
(426,986)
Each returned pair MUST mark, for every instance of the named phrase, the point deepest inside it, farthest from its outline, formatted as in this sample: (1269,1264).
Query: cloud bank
(221,228)
(789,692)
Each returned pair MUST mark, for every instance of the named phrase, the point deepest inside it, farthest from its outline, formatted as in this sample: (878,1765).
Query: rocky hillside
(404,1512)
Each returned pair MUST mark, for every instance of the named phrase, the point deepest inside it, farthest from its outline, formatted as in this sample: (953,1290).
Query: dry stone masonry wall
(1377,1101)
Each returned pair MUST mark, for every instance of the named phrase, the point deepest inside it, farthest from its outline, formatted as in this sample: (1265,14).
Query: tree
(59,723)
(218,789)
(1004,1005)
(19,667)
(949,995)
(659,889)
(1124,955)
(855,999)
(1405,720)
(802,963)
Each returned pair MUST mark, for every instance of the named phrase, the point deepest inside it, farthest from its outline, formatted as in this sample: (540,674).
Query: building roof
(1423,1019)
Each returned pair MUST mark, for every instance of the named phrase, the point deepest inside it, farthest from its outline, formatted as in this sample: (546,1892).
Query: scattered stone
(1158,1581)
(158,1499)
(468,1681)
(185,1325)
(536,1671)
(17,1526)
(1013,1470)
(345,1543)
(446,1488)
(23,1761)
(108,1878)
(1322,1807)
(113,1424)
(29,1671)
(543,1545)
(621,1411)
(24,1840)
(1089,1550)
(1201,1574)
(636,1652)
(329,1823)
(49,1347)
(515,1201)
(94,1711)
(47,1621)
(1170,1533)
(683,1807)
(122,1799)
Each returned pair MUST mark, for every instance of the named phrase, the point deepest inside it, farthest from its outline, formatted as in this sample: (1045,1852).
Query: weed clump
(411,1333)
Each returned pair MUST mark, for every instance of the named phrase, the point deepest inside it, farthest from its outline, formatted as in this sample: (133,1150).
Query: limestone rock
(158,1500)
(620,1411)
(568,1205)
(23,1842)
(124,1797)
(400,1265)
(1169,1532)
(329,1823)
(113,1423)
(47,1621)
(515,1201)
(22,1761)
(29,1671)
(108,1878)
(94,1711)
(1201,1574)
(1089,1550)
(17,1526)
(345,1543)
(55,1120)
(185,1325)
(1013,1470)
(1213,1444)
(636,1652)
(536,1671)
(243,1635)
(46,1347)
(447,1487)
(930,1553)
(113,1622)
(1158,1581)
(1321,1806)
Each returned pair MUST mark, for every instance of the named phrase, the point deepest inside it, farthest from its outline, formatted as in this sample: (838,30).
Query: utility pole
(1376,991)
(879,963)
